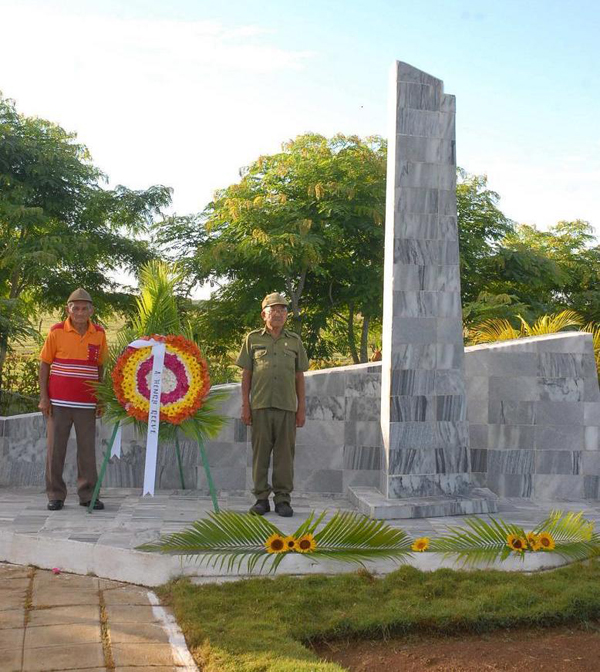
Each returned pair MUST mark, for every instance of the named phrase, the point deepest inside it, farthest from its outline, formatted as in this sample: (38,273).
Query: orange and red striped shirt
(74,360)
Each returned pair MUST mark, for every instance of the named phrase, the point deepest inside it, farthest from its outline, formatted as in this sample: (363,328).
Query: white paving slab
(104,543)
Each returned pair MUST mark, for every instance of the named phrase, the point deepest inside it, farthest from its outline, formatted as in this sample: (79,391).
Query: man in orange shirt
(72,357)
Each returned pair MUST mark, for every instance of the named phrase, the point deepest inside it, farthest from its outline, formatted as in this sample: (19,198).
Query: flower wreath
(185,380)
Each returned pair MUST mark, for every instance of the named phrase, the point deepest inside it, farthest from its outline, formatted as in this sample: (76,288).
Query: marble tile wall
(534,417)
(533,408)
(339,446)
(423,412)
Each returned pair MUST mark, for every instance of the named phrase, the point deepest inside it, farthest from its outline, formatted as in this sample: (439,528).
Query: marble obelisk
(423,412)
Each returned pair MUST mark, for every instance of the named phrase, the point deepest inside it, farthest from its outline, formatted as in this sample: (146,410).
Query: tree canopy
(307,221)
(60,227)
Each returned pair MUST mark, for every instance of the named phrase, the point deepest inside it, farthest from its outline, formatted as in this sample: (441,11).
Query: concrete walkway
(65,622)
(104,542)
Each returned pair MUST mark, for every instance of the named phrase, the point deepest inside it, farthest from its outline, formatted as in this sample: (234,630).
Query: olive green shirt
(274,363)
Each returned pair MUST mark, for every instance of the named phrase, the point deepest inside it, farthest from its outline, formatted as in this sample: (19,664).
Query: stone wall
(339,446)
(534,417)
(533,407)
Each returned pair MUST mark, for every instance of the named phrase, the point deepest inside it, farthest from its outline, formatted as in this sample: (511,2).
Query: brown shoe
(260,507)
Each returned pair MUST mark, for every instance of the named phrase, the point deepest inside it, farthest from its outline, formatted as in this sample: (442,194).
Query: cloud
(85,43)
(181,103)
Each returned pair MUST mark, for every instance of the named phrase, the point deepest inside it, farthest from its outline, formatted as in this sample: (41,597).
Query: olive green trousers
(273,431)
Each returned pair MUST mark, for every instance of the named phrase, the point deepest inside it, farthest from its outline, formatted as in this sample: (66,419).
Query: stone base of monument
(374,504)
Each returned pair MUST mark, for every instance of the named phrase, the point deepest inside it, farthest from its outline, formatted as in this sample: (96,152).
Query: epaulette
(292,334)
(58,325)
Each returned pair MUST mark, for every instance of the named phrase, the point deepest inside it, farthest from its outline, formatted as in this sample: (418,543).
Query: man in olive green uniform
(273,360)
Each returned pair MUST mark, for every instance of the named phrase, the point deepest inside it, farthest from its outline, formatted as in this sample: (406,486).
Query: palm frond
(229,539)
(594,329)
(478,541)
(224,538)
(352,537)
(574,535)
(157,310)
(494,330)
(490,331)
(551,324)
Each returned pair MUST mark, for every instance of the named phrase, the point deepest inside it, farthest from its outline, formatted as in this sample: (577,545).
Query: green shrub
(20,374)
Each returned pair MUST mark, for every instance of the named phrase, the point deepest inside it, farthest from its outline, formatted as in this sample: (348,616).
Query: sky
(187,92)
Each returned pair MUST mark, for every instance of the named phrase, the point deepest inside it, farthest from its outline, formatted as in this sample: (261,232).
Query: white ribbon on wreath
(158,352)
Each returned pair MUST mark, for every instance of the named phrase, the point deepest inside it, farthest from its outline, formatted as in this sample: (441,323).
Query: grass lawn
(267,624)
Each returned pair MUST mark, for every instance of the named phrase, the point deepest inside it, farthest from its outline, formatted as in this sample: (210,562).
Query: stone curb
(152,569)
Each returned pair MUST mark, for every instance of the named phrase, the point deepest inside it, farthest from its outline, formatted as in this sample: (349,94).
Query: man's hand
(300,417)
(246,415)
(45,406)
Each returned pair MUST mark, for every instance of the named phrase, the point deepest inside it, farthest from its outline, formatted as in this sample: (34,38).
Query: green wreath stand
(203,456)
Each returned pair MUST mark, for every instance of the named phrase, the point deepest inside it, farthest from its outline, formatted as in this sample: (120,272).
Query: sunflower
(516,543)
(275,544)
(421,544)
(290,543)
(306,544)
(546,541)
(533,541)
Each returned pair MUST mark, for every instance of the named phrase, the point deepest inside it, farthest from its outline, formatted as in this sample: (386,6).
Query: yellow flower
(546,541)
(533,541)
(306,544)
(275,544)
(290,543)
(516,543)
(421,544)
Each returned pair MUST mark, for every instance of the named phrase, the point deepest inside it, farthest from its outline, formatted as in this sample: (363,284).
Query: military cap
(274,299)
(79,295)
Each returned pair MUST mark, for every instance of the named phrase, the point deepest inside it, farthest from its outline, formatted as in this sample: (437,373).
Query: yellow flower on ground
(306,544)
(516,543)
(275,544)
(546,541)
(290,543)
(533,541)
(421,544)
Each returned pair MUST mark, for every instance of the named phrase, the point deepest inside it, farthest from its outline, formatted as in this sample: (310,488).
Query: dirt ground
(550,650)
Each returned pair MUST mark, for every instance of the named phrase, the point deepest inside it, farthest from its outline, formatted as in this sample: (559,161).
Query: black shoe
(98,505)
(284,509)
(260,507)
(55,505)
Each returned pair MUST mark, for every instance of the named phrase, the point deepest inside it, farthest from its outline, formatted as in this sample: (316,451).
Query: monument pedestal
(372,503)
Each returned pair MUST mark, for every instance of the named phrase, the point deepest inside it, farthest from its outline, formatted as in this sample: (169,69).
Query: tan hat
(274,299)
(79,295)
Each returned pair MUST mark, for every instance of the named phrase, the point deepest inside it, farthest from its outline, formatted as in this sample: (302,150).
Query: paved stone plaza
(65,622)
(103,543)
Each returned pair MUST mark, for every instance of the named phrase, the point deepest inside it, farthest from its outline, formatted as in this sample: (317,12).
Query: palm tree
(491,331)
(494,330)
(158,313)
